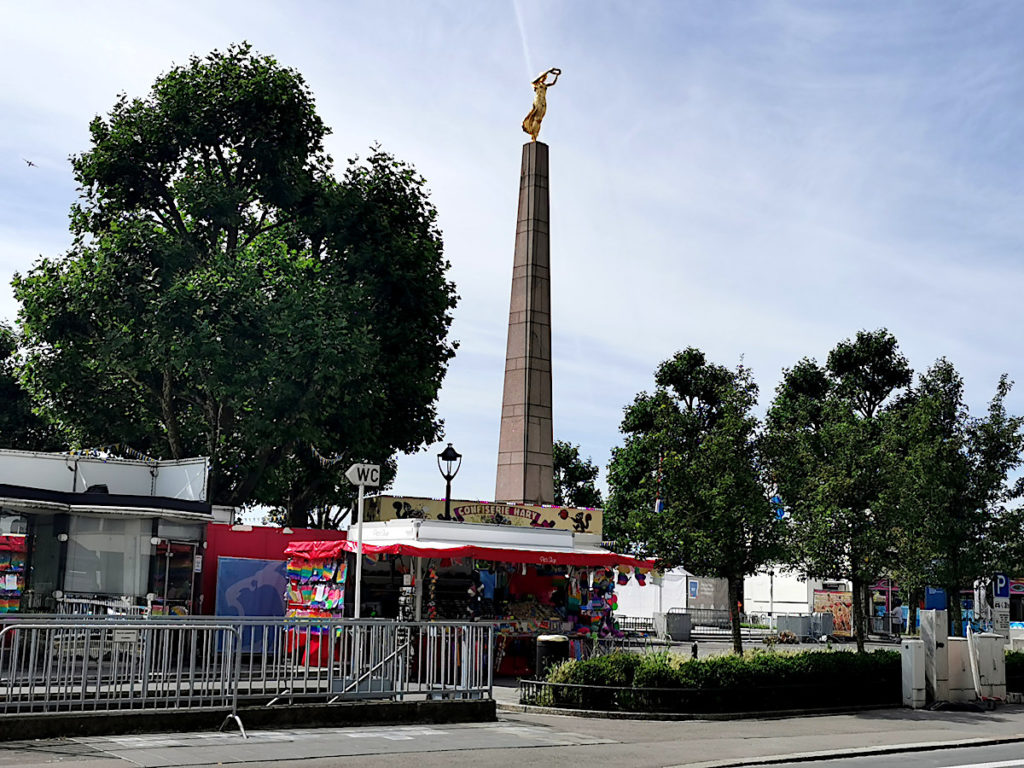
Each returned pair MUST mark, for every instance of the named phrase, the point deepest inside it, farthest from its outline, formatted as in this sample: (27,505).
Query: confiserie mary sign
(383,508)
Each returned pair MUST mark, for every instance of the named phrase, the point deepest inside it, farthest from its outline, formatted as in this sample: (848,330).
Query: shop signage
(840,605)
(1001,616)
(382,508)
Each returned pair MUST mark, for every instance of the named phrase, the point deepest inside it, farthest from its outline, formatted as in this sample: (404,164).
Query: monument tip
(531,123)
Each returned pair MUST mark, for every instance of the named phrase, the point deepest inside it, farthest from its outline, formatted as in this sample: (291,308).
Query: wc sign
(364,474)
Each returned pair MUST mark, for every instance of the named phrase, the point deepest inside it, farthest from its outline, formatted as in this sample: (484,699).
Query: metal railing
(639,625)
(890,625)
(75,665)
(103,663)
(706,618)
(81,605)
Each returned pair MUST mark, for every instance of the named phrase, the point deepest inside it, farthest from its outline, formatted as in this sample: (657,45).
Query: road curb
(300,715)
(529,709)
(842,754)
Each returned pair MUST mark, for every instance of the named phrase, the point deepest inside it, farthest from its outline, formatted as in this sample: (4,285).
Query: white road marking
(997,764)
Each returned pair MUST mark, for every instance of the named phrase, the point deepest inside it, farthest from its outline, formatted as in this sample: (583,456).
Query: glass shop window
(108,556)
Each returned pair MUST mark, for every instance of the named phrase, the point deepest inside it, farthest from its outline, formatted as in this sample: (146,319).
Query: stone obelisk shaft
(525,473)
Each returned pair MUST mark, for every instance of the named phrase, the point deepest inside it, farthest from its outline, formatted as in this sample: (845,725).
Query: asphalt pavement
(568,742)
(1001,756)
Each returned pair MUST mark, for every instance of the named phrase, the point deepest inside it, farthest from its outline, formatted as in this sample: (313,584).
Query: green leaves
(574,477)
(686,485)
(949,523)
(226,296)
(20,426)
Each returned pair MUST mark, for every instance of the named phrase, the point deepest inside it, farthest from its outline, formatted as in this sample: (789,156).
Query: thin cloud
(751,180)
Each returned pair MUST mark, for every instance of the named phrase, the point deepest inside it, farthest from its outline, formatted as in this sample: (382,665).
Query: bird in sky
(30,163)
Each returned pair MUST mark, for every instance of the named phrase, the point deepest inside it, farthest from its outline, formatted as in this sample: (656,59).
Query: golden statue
(540,102)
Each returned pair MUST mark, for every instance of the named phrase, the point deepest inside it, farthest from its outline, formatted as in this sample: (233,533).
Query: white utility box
(912,654)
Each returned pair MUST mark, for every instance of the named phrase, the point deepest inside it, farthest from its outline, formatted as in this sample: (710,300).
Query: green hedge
(757,681)
(1015,671)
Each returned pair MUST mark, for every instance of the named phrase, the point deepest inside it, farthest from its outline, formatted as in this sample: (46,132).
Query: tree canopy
(226,295)
(947,500)
(575,477)
(826,446)
(686,485)
(20,427)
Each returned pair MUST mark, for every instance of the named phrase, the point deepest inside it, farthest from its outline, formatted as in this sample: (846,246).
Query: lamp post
(451,458)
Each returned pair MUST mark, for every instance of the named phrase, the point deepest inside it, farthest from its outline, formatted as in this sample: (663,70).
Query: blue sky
(758,179)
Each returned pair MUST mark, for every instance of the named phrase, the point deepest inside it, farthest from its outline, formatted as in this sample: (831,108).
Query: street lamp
(451,458)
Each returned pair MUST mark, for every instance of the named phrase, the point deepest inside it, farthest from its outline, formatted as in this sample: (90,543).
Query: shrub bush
(760,680)
(1015,671)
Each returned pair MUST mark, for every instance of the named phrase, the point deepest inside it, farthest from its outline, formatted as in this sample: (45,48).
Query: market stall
(529,582)
(13,549)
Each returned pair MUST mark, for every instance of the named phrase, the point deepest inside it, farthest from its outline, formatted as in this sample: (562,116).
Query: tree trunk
(170,417)
(858,612)
(955,614)
(297,517)
(734,613)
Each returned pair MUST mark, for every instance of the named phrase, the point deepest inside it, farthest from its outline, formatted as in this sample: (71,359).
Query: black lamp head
(449,456)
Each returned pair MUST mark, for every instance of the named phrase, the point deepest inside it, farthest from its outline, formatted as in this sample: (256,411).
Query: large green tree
(575,477)
(947,500)
(686,486)
(20,427)
(826,447)
(226,295)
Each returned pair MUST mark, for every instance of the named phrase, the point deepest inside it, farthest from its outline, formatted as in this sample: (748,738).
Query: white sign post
(361,475)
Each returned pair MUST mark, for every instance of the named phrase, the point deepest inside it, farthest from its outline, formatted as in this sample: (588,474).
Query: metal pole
(447,498)
(359,556)
(418,588)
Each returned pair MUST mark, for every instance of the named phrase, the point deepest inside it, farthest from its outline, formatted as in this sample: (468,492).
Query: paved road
(1004,756)
(536,740)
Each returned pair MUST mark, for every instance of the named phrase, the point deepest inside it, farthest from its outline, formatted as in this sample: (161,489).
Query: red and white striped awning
(579,555)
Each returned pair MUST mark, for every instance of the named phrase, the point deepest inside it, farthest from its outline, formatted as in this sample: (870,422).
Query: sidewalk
(738,742)
(528,740)
(718,743)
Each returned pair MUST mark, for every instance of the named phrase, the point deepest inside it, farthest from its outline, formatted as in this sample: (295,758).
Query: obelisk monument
(525,471)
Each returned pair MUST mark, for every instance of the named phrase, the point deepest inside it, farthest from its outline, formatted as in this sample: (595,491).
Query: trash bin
(551,650)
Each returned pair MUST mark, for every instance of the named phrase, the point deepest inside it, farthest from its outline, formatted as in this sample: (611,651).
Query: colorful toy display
(12,572)
(316,588)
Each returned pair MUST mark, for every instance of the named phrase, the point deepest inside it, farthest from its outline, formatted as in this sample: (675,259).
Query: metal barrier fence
(716,625)
(103,663)
(891,625)
(76,605)
(636,624)
(102,666)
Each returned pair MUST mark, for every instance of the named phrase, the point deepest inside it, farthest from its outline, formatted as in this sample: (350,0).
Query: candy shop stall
(526,582)
(316,577)
(13,549)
